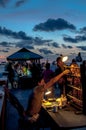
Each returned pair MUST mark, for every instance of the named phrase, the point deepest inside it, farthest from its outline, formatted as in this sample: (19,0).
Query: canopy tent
(24,54)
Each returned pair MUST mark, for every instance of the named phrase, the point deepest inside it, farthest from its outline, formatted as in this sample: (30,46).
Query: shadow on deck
(11,113)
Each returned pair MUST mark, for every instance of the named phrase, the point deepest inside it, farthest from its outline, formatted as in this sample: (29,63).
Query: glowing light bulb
(48,92)
(64,58)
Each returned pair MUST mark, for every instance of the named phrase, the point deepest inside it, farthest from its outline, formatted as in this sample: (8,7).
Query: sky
(46,27)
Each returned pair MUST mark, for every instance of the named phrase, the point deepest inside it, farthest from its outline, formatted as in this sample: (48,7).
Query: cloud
(24,44)
(77,39)
(82,47)
(64,46)
(53,25)
(20,2)
(40,41)
(23,39)
(3,3)
(5,44)
(69,39)
(45,51)
(55,44)
(4,50)
(17,3)
(83,30)
(16,35)
(70,47)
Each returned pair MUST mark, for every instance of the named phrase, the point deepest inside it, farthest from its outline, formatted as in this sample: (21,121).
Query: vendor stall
(69,110)
(66,117)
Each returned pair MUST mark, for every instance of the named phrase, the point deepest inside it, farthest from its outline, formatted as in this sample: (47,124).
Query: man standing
(62,81)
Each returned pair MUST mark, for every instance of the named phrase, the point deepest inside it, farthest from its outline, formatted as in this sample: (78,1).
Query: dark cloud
(64,46)
(69,47)
(69,39)
(23,37)
(75,40)
(17,44)
(20,2)
(29,47)
(24,40)
(40,41)
(24,45)
(81,38)
(3,3)
(82,47)
(16,35)
(55,44)
(83,30)
(4,50)
(5,44)
(45,51)
(53,25)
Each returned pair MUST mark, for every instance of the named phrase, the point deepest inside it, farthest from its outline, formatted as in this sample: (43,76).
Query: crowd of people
(32,113)
(17,71)
(22,69)
(44,78)
(34,71)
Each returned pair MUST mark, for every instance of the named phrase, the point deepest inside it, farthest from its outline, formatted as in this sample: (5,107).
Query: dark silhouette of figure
(79,58)
(10,73)
(36,73)
(47,73)
(62,81)
(73,61)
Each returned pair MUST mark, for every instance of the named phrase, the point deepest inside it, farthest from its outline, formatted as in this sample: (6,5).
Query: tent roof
(23,54)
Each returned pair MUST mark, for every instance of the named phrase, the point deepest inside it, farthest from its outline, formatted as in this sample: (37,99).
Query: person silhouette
(79,58)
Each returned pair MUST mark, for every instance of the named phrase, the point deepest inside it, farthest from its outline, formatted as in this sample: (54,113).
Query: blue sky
(48,27)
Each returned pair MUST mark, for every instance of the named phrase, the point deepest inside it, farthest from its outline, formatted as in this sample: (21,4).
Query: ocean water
(2,69)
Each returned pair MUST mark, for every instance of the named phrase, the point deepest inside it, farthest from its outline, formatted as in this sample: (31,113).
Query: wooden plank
(66,118)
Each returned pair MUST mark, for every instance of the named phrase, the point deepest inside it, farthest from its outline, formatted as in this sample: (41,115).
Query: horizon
(52,58)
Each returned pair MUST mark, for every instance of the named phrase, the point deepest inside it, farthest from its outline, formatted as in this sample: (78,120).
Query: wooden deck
(12,114)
